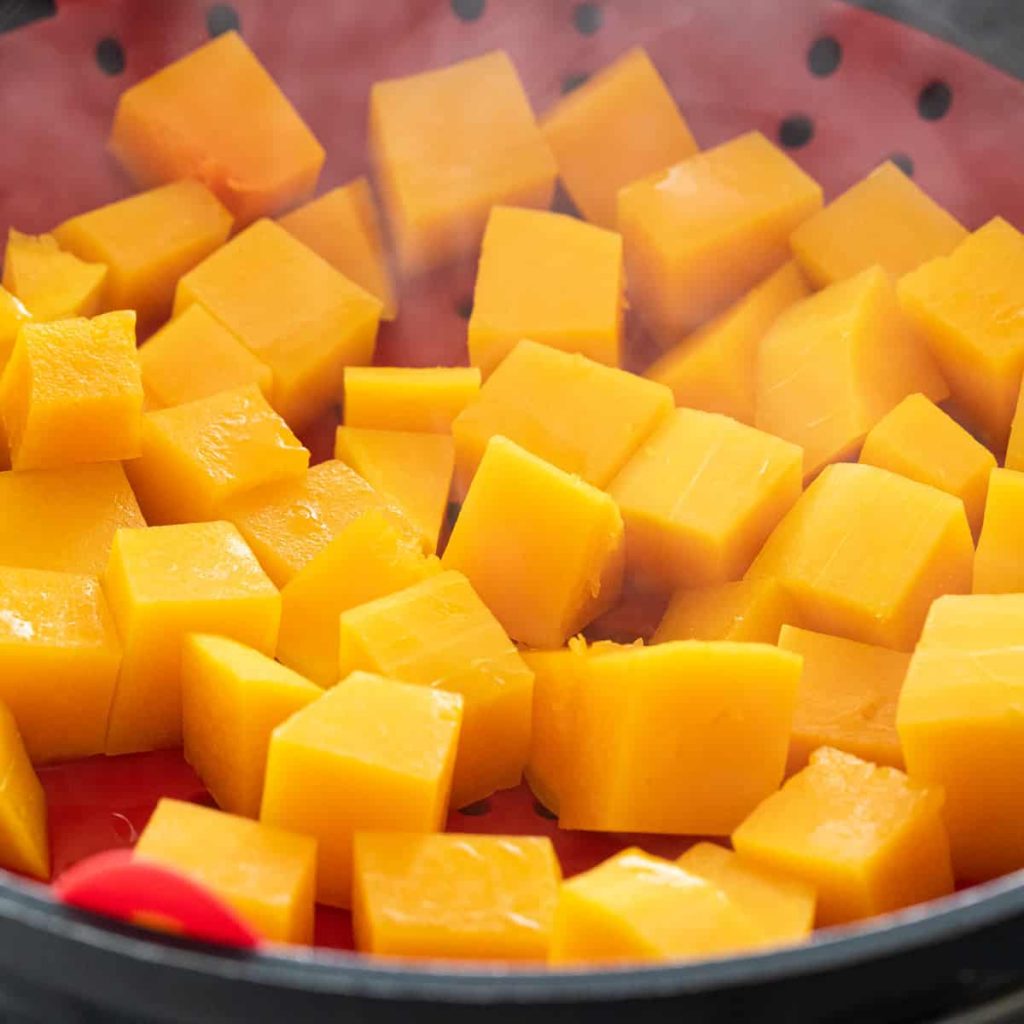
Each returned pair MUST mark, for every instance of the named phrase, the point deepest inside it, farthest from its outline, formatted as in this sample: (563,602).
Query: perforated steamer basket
(842,88)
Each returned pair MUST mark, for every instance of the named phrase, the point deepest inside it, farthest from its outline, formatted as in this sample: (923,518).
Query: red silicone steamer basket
(842,89)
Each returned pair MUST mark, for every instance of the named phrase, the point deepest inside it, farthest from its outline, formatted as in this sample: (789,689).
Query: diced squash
(544,549)
(579,415)
(232,698)
(162,583)
(548,277)
(884,219)
(59,656)
(369,755)
(423,400)
(292,310)
(999,560)
(438,175)
(196,457)
(919,441)
(24,837)
(12,315)
(847,700)
(682,738)
(699,234)
(700,497)
(147,242)
(870,839)
(343,226)
(268,876)
(438,633)
(620,125)
(52,284)
(834,364)
(969,622)
(864,552)
(715,367)
(217,115)
(457,897)
(968,306)
(1014,448)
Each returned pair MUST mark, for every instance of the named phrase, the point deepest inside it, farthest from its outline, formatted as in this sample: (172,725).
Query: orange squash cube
(548,277)
(966,307)
(579,415)
(628,102)
(454,897)
(72,393)
(847,698)
(440,176)
(292,310)
(249,146)
(700,497)
(268,876)
(53,284)
(885,219)
(232,698)
(715,367)
(919,441)
(369,755)
(343,226)
(834,364)
(999,560)
(24,838)
(439,633)
(147,242)
(162,583)
(1014,448)
(422,400)
(699,234)
(683,738)
(12,315)
(518,511)
(869,839)
(59,656)
(864,552)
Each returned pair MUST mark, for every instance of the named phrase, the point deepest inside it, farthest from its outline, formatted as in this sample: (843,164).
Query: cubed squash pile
(818,485)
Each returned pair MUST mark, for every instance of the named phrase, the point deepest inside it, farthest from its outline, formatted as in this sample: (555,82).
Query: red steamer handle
(118,885)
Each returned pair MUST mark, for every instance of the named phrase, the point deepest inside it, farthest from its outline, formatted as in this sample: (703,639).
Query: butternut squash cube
(715,367)
(864,552)
(369,755)
(634,908)
(438,633)
(544,549)
(454,897)
(343,226)
(288,524)
(53,284)
(1014,448)
(579,415)
(782,906)
(700,233)
(232,698)
(147,242)
(683,738)
(999,560)
(59,656)
(414,469)
(700,497)
(24,837)
(834,364)
(268,876)
(196,457)
(12,315)
(422,400)
(847,698)
(967,622)
(919,441)
(162,583)
(170,357)
(292,310)
(249,145)
(72,393)
(64,519)
(629,102)
(549,277)
(884,219)
(967,306)
(750,611)
(870,839)
(367,559)
(440,176)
